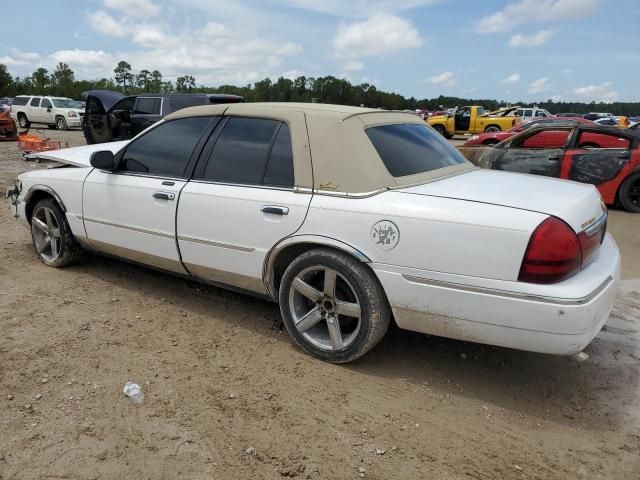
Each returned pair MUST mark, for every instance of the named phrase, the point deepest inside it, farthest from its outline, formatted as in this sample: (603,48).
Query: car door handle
(275,210)
(164,195)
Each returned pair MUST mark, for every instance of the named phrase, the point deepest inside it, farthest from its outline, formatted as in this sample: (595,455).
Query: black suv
(111,116)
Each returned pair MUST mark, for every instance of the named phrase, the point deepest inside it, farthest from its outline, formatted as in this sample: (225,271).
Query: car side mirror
(103,160)
(48,109)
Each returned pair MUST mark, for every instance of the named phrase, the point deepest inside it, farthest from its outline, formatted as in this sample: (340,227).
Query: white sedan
(350,218)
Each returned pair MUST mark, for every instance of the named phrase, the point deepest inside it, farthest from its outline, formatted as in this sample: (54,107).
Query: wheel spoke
(311,318)
(54,246)
(329,282)
(347,309)
(40,225)
(47,214)
(335,333)
(42,246)
(305,289)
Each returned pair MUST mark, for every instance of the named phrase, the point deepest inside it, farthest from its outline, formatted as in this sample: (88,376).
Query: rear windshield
(409,148)
(20,101)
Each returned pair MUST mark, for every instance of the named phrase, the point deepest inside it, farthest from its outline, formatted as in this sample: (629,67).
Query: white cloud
(355,8)
(104,23)
(379,35)
(444,79)
(511,79)
(527,11)
(600,93)
(134,8)
(535,40)
(353,66)
(10,61)
(84,58)
(556,98)
(540,85)
(152,36)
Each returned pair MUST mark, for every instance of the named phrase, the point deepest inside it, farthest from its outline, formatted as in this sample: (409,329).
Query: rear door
(131,213)
(602,159)
(241,201)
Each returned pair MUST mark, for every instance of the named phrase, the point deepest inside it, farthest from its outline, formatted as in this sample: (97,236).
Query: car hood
(578,204)
(78,156)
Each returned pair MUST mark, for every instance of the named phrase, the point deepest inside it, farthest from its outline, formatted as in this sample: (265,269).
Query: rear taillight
(555,252)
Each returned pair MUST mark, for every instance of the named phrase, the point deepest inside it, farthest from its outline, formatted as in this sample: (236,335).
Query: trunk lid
(77,156)
(579,205)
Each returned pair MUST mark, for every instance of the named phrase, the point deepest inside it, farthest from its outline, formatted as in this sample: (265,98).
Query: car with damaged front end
(349,218)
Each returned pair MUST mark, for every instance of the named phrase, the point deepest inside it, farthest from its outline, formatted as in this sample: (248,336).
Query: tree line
(328,89)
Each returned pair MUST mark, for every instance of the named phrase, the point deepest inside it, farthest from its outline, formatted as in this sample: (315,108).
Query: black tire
(69,249)
(629,193)
(23,121)
(357,278)
(492,128)
(490,143)
(61,123)
(441,130)
(52,126)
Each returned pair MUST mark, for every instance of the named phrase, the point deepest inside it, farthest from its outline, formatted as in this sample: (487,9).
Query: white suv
(528,114)
(57,112)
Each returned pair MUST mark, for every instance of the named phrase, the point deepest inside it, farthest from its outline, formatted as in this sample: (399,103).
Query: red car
(606,157)
(493,138)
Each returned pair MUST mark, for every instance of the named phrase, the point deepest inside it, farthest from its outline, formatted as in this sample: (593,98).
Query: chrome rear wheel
(325,308)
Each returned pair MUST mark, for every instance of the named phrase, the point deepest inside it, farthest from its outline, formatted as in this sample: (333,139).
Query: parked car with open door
(112,116)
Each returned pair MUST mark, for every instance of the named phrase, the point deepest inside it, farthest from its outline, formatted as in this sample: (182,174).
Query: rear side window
(46,103)
(407,149)
(547,139)
(19,101)
(148,106)
(165,150)
(252,151)
(178,102)
(35,101)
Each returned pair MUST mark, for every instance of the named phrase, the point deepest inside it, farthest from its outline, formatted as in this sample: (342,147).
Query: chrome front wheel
(45,230)
(52,237)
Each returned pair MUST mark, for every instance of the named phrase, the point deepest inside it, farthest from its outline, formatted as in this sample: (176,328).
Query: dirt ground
(227,397)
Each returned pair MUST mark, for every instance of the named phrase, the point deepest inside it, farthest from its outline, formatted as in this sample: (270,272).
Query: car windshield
(407,149)
(63,103)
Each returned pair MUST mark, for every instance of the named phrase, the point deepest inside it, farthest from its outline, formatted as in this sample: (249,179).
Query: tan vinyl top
(332,153)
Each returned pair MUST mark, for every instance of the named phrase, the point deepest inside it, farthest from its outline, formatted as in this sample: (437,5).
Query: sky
(510,50)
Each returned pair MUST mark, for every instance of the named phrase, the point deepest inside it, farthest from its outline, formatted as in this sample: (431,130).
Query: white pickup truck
(57,112)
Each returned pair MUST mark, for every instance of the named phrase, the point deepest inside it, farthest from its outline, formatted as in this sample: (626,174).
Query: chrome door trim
(510,294)
(210,243)
(129,227)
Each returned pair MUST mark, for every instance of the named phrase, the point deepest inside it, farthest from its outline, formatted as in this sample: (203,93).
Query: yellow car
(474,119)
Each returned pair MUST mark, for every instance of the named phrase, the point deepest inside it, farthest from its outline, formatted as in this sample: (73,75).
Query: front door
(131,212)
(241,201)
(46,111)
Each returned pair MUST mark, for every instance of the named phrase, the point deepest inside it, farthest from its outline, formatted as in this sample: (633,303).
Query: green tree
(156,81)
(41,80)
(123,75)
(185,84)
(7,84)
(63,80)
(144,80)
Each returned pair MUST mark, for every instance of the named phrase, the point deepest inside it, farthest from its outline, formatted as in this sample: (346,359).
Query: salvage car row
(349,218)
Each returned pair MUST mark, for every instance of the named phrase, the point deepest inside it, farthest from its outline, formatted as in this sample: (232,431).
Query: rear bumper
(559,319)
